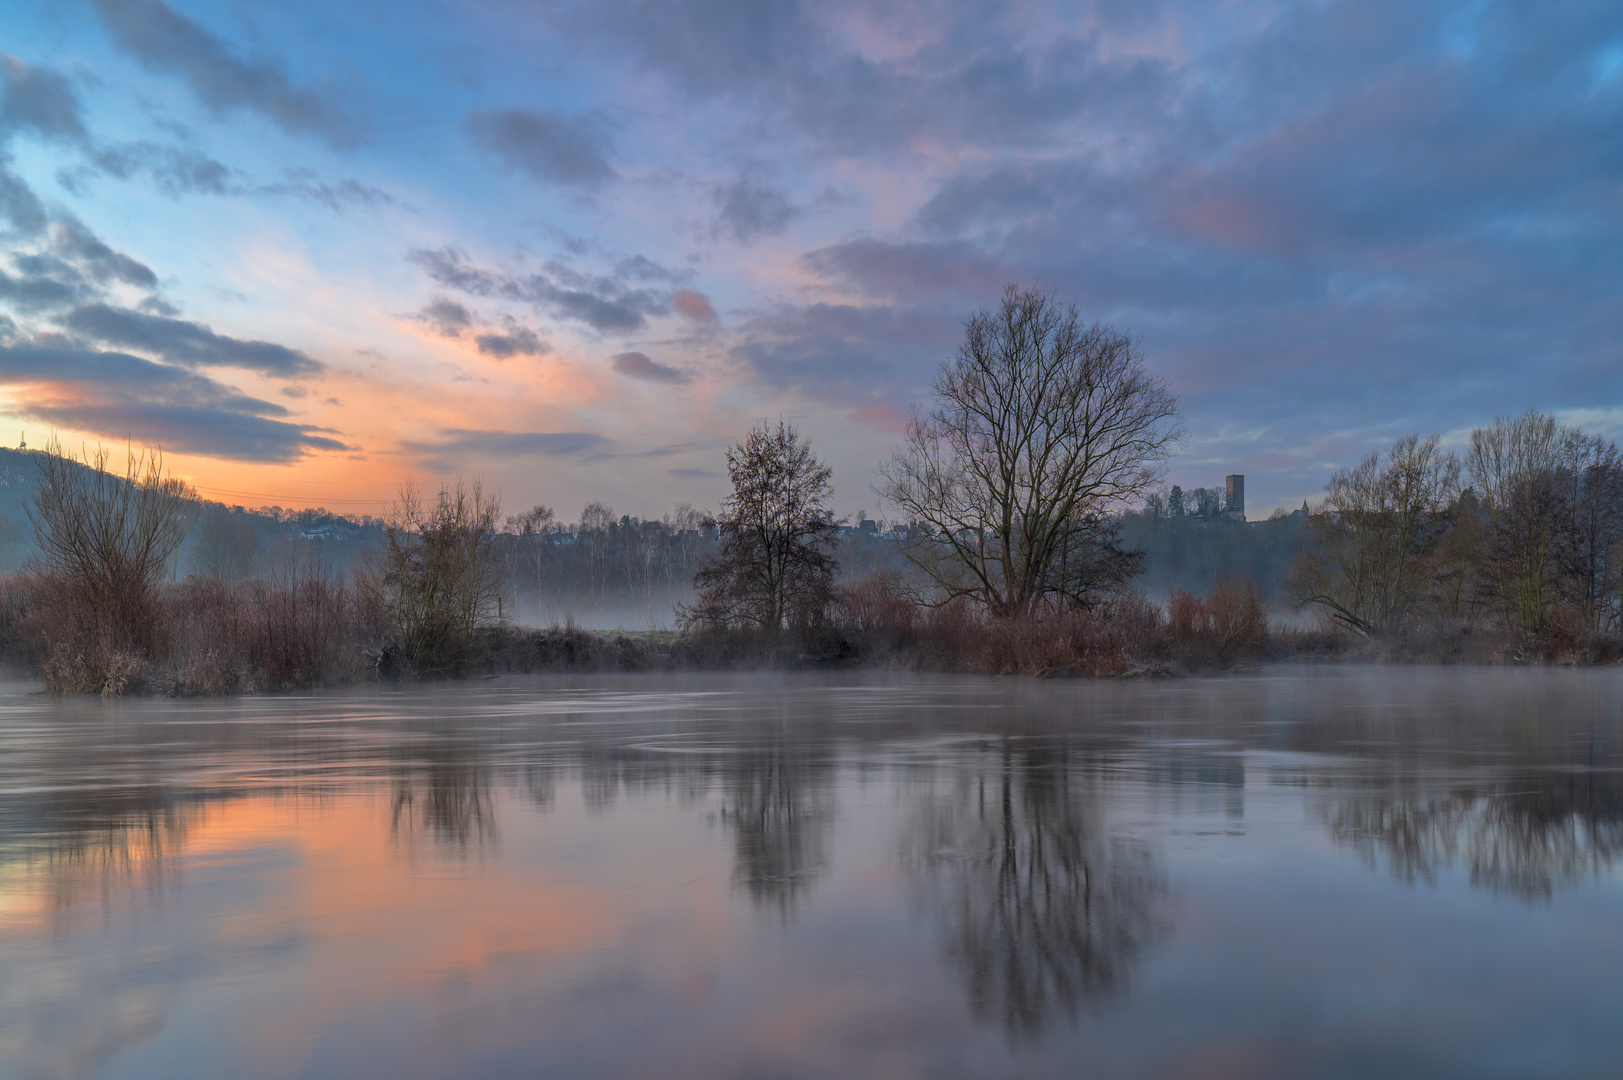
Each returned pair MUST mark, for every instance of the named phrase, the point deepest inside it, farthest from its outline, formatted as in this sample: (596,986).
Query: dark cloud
(174,170)
(116,396)
(911,268)
(456,446)
(747,210)
(30,293)
(691,474)
(979,72)
(163,39)
(74,267)
(848,354)
(450,319)
(101,262)
(39,100)
(185,343)
(603,303)
(546,146)
(643,269)
(636,365)
(446,317)
(19,206)
(514,340)
(179,171)
(335,195)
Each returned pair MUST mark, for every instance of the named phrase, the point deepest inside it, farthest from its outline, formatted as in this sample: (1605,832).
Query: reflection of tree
(443,790)
(95,840)
(1040,909)
(1522,838)
(776,801)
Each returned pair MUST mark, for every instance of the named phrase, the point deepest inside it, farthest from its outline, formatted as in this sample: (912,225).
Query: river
(1310,871)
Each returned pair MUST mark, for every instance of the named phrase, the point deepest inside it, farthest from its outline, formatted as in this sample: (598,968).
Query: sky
(314,250)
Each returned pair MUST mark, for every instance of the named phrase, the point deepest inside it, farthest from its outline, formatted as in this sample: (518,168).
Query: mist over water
(1306,872)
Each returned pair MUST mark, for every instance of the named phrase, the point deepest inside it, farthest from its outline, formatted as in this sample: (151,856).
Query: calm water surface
(1301,873)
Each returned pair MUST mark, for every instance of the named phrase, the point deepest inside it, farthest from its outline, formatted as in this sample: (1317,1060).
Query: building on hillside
(1234,496)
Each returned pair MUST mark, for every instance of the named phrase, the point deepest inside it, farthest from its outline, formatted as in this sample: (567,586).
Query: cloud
(39,100)
(693,305)
(889,268)
(643,269)
(884,417)
(747,210)
(185,343)
(691,474)
(446,317)
(72,268)
(178,171)
(513,341)
(847,353)
(165,40)
(175,170)
(876,80)
(115,395)
(636,365)
(457,445)
(603,303)
(103,264)
(450,319)
(546,146)
(35,292)
(19,206)
(336,195)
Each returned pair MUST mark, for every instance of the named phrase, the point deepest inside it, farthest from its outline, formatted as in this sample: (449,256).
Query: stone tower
(1235,499)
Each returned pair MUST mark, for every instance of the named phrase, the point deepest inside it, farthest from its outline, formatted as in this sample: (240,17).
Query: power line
(267,495)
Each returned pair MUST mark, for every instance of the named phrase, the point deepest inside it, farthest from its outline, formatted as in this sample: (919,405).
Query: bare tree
(1589,536)
(1516,462)
(594,536)
(1042,429)
(105,543)
(440,579)
(1381,524)
(532,532)
(775,565)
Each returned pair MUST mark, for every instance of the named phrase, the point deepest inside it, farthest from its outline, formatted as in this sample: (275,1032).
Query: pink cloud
(883,417)
(693,305)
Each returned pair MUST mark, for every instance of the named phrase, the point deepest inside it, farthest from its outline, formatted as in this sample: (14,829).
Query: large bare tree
(775,565)
(1042,429)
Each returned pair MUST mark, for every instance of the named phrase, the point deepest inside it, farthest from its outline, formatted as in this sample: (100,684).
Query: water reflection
(442,792)
(1040,905)
(779,805)
(1524,837)
(933,851)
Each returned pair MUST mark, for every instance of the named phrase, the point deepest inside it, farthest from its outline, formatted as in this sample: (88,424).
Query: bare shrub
(105,543)
(1218,629)
(877,608)
(438,580)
